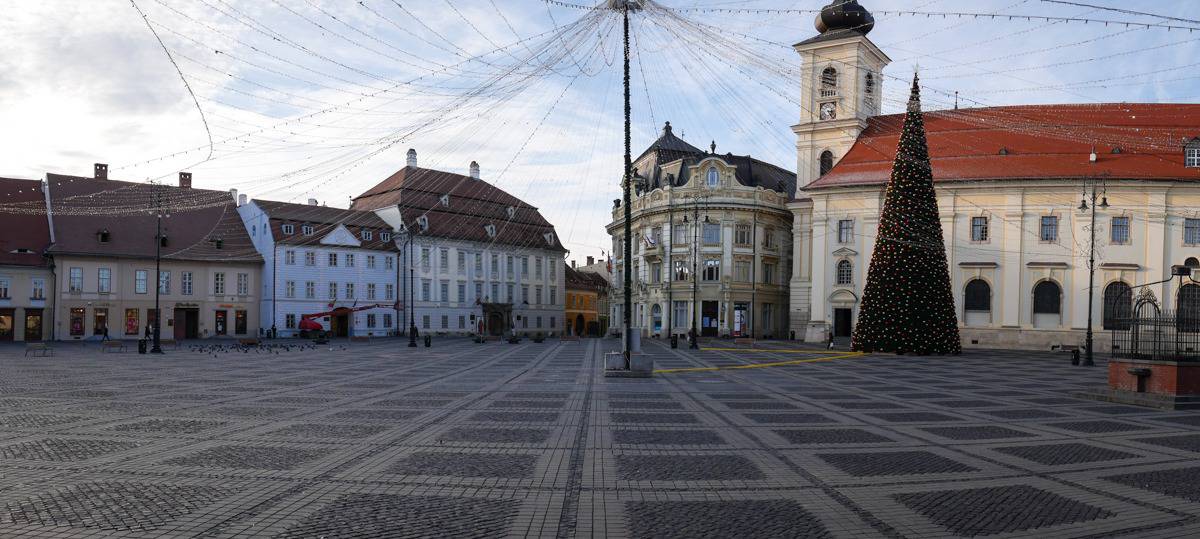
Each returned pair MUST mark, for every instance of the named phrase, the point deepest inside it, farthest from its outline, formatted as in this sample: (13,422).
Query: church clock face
(828,111)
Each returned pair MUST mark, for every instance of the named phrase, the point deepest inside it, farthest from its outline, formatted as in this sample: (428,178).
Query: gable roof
(324,221)
(583,280)
(1131,140)
(203,225)
(668,158)
(25,234)
(473,204)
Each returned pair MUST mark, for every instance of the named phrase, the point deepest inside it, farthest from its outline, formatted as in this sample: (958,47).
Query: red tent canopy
(310,324)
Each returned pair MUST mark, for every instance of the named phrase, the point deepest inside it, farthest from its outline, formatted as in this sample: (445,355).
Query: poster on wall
(131,321)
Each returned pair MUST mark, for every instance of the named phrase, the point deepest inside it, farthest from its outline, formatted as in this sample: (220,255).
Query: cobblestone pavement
(528,440)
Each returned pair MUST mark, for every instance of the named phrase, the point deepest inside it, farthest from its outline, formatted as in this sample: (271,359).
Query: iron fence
(1158,335)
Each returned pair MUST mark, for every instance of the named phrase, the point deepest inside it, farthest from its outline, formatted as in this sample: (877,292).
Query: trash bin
(141,346)
(674,341)
(428,341)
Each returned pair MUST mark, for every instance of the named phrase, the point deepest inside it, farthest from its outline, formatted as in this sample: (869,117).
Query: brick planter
(1172,385)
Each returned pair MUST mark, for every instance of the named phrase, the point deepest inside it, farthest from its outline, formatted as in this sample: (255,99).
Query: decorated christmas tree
(907,306)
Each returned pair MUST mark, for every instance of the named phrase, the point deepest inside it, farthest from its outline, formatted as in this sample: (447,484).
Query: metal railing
(1153,335)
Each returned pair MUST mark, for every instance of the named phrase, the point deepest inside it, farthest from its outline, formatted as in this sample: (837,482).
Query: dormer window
(423,222)
(385,236)
(490,229)
(102,236)
(714,177)
(289,229)
(829,82)
(1191,154)
(307,230)
(445,200)
(367,235)
(162,240)
(511,212)
(549,238)
(218,243)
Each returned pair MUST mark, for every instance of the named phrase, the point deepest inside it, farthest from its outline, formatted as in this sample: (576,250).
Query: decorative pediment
(341,236)
(845,251)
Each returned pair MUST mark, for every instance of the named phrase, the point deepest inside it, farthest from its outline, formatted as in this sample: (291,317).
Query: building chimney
(572,264)
(233,194)
(474,170)
(185,180)
(591,260)
(241,200)
(412,158)
(101,171)
(312,202)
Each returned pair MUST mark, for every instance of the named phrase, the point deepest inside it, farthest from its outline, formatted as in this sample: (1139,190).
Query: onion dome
(845,15)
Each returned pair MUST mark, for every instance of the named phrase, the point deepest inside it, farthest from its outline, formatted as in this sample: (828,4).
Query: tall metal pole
(1088,361)
(157,348)
(628,254)
(412,303)
(695,344)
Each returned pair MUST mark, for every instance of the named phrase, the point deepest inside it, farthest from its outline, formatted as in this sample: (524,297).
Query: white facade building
(340,264)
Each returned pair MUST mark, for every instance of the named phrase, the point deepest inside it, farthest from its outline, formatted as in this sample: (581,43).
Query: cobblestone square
(531,440)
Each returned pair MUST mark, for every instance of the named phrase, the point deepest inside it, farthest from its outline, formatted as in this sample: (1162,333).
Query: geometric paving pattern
(464,439)
(993,510)
(721,520)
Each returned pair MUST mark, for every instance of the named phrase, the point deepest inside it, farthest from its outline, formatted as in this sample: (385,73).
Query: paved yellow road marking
(761,365)
(775,350)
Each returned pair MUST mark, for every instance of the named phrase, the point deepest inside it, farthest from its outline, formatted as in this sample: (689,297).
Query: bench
(38,349)
(172,343)
(1072,349)
(112,346)
(248,342)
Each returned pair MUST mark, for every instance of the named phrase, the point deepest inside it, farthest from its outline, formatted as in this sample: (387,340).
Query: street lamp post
(695,340)
(412,305)
(1083,206)
(158,213)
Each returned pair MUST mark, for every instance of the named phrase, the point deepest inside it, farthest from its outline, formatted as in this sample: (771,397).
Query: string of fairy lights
(343,115)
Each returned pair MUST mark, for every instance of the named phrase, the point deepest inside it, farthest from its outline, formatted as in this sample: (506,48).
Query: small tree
(907,305)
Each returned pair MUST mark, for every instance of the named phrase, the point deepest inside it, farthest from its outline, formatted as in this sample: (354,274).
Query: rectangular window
(425,322)
(525,294)
(389,291)
(537,295)
(310,258)
(164,282)
(307,230)
(289,229)
(289,258)
(845,231)
(387,320)
(289,289)
(1192,157)
(289,321)
(979,229)
(349,290)
(370,321)
(712,270)
(656,236)
(742,234)
(76,280)
(656,272)
(741,271)
(462,263)
(387,262)
(349,260)
(243,284)
(539,322)
(712,233)
(370,290)
(239,322)
(681,315)
(508,291)
(333,260)
(103,280)
(553,296)
(367,235)
(1191,231)
(508,267)
(768,273)
(537,268)
(679,234)
(385,236)
(524,267)
(425,258)
(462,293)
(140,278)
(444,291)
(333,290)
(681,270)
(445,321)
(4,286)
(310,290)
(769,239)
(185,283)
(425,289)
(479,292)
(370,261)
(444,260)
(495,293)
(1049,231)
(495,266)
(462,322)
(1120,230)
(478,264)
(38,287)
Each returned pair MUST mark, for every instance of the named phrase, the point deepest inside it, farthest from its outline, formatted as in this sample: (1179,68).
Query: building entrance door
(842,326)
(33,325)
(187,324)
(580,329)
(341,325)
(6,325)
(220,321)
(740,325)
(708,318)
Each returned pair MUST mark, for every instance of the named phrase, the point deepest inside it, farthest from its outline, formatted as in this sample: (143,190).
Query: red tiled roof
(324,220)
(473,204)
(82,207)
(25,233)
(1132,141)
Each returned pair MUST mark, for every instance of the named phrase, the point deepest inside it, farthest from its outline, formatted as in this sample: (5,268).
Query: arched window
(1187,308)
(1192,262)
(1118,305)
(714,177)
(1047,298)
(829,82)
(978,296)
(826,162)
(845,273)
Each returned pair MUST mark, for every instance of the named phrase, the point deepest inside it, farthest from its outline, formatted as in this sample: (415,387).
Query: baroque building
(26,273)
(711,245)
(1010,182)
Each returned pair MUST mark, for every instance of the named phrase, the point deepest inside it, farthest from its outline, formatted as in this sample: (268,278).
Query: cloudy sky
(298,99)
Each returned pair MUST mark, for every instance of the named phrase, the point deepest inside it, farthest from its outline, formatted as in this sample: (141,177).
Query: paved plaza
(464,439)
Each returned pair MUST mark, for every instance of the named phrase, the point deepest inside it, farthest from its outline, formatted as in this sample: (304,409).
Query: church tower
(841,87)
